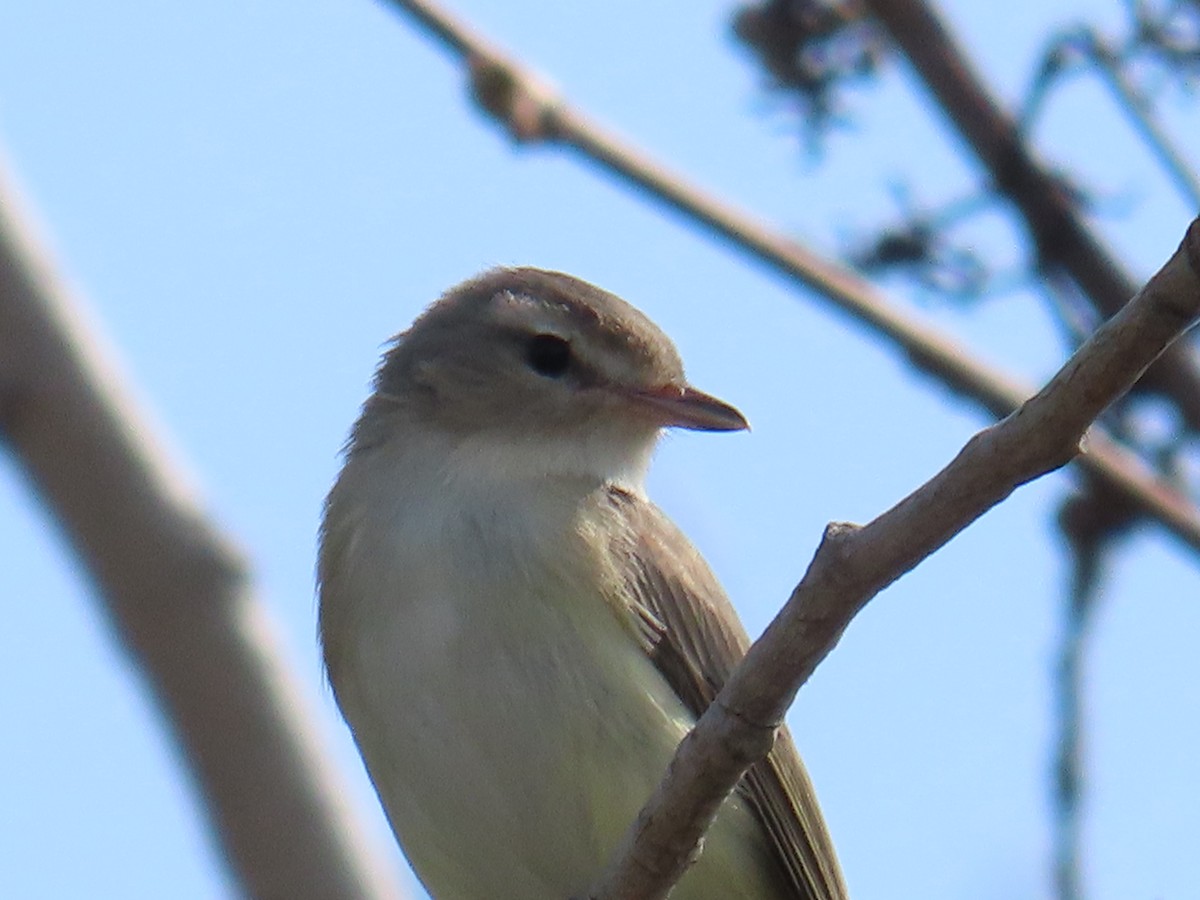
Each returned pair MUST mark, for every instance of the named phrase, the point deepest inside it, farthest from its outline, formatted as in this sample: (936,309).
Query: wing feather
(696,640)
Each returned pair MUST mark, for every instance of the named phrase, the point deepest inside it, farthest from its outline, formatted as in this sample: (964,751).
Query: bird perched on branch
(517,637)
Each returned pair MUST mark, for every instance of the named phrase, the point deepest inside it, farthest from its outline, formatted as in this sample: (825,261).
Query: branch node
(522,101)
(838,536)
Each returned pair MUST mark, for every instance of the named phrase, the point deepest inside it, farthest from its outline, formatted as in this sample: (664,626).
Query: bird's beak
(686,407)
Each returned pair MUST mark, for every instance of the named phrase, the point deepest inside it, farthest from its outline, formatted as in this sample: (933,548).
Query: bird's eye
(549,355)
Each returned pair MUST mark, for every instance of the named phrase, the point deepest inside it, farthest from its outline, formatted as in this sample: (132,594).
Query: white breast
(511,724)
(477,665)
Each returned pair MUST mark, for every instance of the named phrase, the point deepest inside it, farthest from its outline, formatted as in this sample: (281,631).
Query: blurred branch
(1168,35)
(812,49)
(1085,44)
(1091,522)
(1062,238)
(1141,115)
(531,110)
(176,591)
(920,246)
(853,563)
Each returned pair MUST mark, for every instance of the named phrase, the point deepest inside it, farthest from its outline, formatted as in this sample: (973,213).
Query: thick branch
(1062,238)
(176,590)
(531,110)
(854,563)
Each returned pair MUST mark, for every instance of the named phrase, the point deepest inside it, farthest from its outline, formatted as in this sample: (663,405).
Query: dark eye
(549,355)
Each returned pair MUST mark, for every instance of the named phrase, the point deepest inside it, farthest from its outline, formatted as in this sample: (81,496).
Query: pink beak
(686,407)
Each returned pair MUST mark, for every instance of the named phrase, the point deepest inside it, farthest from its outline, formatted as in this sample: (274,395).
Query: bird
(517,637)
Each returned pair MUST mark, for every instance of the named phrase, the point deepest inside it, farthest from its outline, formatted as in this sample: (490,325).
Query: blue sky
(253,197)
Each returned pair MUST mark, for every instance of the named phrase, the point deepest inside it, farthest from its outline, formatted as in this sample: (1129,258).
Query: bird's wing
(695,639)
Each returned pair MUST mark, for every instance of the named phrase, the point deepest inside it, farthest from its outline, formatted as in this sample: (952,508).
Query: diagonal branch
(1063,239)
(854,563)
(177,592)
(531,110)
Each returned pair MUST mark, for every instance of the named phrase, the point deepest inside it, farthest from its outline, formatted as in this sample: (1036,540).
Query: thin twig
(177,591)
(1087,554)
(1062,237)
(854,563)
(1141,116)
(532,110)
(1085,46)
(1091,522)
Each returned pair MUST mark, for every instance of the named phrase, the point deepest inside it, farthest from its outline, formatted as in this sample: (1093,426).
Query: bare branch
(854,563)
(1062,238)
(531,110)
(176,590)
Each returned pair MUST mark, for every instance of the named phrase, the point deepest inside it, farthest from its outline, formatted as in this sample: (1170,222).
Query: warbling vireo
(516,635)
